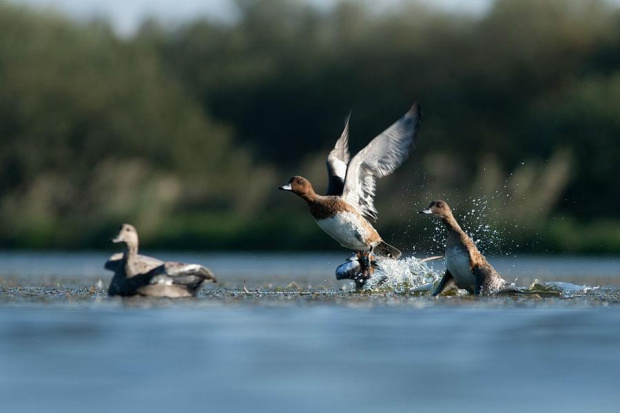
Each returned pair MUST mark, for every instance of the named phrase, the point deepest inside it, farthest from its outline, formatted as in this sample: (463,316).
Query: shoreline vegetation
(186,131)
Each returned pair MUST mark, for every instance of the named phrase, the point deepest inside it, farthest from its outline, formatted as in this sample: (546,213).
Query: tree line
(186,131)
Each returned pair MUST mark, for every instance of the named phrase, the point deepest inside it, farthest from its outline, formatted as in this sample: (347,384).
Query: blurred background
(183,118)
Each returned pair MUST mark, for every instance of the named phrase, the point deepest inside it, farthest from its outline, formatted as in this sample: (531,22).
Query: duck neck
(131,250)
(451,224)
(309,196)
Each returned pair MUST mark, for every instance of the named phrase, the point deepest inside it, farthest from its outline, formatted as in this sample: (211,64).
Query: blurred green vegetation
(187,131)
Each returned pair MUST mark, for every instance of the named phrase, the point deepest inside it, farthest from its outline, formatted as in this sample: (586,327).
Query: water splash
(559,288)
(405,276)
(477,220)
(476,223)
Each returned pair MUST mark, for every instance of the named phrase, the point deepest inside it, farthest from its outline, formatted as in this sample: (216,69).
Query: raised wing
(337,161)
(379,158)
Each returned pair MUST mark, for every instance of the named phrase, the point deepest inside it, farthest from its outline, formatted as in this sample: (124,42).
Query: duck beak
(426,211)
(286,187)
(116,239)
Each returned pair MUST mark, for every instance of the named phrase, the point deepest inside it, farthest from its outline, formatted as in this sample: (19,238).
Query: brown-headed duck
(466,266)
(344,212)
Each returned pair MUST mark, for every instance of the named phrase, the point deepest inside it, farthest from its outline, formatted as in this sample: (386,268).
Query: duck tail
(386,250)
(207,275)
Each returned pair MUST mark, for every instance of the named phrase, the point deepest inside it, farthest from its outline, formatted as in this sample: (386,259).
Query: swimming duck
(466,266)
(344,212)
(141,275)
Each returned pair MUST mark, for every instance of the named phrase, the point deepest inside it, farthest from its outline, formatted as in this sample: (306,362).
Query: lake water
(257,342)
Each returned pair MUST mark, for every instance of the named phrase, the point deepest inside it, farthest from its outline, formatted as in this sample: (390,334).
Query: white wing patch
(161,280)
(176,268)
(337,161)
(340,168)
(190,268)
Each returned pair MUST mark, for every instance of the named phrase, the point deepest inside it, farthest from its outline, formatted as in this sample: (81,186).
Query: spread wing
(337,161)
(379,158)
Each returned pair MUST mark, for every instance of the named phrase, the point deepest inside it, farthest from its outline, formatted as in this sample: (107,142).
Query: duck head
(439,209)
(299,186)
(127,234)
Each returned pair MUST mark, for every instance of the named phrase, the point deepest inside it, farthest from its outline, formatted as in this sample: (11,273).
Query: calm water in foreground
(259,343)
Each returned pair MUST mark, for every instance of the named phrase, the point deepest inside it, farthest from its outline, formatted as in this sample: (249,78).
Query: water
(308,346)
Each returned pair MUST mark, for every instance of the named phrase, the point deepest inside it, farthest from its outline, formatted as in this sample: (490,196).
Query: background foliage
(187,131)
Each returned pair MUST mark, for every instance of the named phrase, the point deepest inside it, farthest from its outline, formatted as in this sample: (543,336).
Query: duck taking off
(344,212)
(466,266)
(141,275)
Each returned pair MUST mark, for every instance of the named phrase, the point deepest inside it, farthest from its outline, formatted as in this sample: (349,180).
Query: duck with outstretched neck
(146,276)
(344,212)
(466,266)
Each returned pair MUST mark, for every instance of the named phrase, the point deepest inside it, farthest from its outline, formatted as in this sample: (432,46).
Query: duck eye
(127,229)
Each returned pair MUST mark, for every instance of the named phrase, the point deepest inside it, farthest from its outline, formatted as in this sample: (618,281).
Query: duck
(465,265)
(347,208)
(141,275)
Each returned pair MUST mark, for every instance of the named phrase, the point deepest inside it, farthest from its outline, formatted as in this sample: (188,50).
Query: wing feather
(379,158)
(180,270)
(337,161)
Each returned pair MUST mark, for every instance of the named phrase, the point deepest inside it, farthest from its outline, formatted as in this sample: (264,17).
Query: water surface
(308,346)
